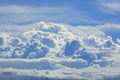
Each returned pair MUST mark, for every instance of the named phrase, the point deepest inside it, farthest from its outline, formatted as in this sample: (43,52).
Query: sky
(73,12)
(86,45)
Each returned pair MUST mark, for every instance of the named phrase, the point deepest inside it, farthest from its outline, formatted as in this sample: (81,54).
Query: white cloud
(110,7)
(47,49)
(45,68)
(113,6)
(58,36)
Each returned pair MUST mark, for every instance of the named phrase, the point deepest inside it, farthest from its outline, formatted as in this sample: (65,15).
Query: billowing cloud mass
(59,49)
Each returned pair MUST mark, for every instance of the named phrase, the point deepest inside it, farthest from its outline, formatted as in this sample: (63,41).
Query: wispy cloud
(23,14)
(110,7)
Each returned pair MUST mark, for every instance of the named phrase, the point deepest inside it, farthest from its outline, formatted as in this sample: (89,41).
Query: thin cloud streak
(22,14)
(112,7)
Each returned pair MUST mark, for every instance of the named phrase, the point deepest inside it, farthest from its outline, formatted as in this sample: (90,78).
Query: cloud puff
(52,37)
(52,46)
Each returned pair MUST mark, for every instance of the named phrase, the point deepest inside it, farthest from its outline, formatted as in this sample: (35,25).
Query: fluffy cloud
(49,38)
(60,46)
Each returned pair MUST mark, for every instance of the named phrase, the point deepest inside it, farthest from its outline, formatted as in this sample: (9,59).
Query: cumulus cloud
(51,46)
(57,38)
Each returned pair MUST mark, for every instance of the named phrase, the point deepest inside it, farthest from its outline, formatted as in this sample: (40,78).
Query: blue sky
(74,12)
